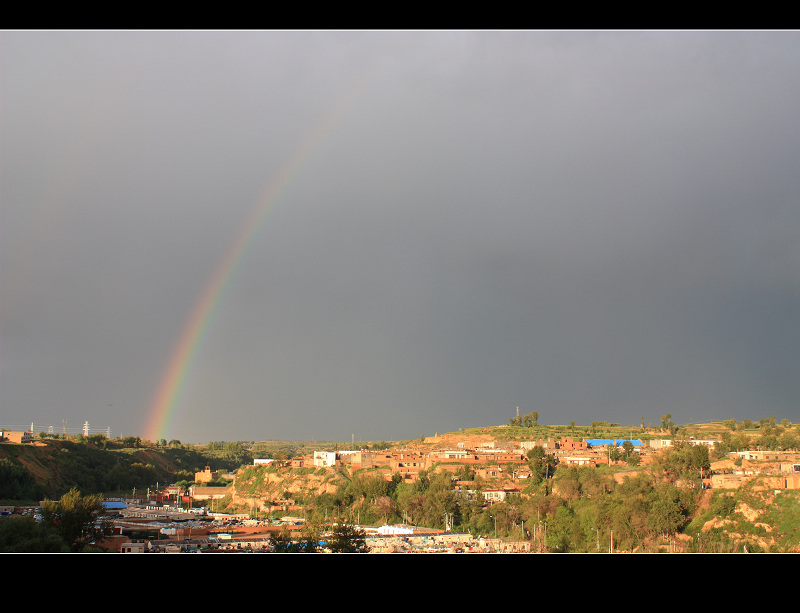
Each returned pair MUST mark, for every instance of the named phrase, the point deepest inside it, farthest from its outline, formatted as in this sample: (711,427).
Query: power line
(63,429)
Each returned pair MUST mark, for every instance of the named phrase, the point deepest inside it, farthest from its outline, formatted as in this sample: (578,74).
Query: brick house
(568,443)
(206,476)
(11,436)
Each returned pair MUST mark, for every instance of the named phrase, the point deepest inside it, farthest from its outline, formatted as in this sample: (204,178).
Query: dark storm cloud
(593,225)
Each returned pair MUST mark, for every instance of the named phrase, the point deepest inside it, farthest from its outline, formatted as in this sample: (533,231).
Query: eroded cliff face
(268,485)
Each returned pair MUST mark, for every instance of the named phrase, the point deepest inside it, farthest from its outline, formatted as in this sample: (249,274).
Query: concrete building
(13,436)
(499,495)
(206,475)
(324,459)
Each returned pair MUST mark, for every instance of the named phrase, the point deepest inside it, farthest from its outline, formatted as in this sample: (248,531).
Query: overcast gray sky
(591,225)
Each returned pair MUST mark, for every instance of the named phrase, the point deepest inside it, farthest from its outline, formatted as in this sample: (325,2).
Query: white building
(324,458)
(492,496)
(394,530)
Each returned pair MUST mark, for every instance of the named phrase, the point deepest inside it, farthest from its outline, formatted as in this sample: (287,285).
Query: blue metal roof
(597,442)
(114,504)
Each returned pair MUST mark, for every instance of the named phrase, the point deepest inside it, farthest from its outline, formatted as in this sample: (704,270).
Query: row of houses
(505,467)
(408,463)
(510,452)
(493,460)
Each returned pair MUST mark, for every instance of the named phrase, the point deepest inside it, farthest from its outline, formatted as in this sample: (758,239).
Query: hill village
(160,522)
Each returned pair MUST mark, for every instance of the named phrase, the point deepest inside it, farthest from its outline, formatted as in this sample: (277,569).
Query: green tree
(440,500)
(667,513)
(561,530)
(541,464)
(470,511)
(700,459)
(76,518)
(347,538)
(530,420)
(281,541)
(17,483)
(566,483)
(629,454)
(20,534)
(309,538)
(99,440)
(767,441)
(284,542)
(788,441)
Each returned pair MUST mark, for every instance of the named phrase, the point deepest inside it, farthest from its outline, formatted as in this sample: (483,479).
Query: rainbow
(163,409)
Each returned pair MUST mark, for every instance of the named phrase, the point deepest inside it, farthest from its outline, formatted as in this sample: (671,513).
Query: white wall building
(395,530)
(324,458)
